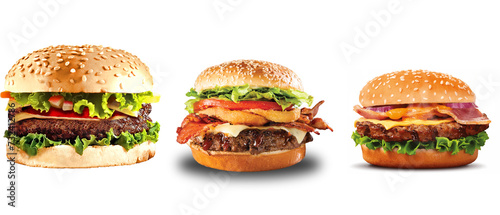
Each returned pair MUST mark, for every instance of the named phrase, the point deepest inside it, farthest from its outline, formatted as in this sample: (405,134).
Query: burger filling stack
(80,106)
(419,119)
(244,116)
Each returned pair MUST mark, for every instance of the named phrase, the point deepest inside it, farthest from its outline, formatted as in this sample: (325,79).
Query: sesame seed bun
(79,69)
(246,162)
(412,87)
(64,156)
(255,73)
(423,158)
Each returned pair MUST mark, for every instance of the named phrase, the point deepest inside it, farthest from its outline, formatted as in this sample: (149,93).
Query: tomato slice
(55,112)
(5,95)
(241,105)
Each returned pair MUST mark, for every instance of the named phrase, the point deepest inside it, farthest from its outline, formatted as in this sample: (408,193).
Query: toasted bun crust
(411,87)
(76,69)
(423,158)
(256,73)
(246,162)
(64,156)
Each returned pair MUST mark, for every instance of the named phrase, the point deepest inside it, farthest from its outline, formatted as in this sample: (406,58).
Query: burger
(419,119)
(79,107)
(244,116)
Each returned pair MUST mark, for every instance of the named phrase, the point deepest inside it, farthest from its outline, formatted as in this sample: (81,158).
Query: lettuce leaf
(283,97)
(469,144)
(97,103)
(32,142)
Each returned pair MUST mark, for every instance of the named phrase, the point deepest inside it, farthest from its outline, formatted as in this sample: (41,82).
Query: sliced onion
(381,109)
(461,105)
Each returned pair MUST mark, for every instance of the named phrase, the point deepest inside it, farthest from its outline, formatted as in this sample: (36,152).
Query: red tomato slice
(5,95)
(55,112)
(241,105)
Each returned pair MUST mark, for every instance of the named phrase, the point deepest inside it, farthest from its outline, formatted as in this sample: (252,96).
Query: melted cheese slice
(24,115)
(234,130)
(388,124)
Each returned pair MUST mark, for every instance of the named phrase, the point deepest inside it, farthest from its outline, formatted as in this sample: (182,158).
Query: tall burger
(245,116)
(78,107)
(419,119)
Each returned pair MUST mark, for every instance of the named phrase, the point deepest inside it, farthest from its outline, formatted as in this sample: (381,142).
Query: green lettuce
(283,97)
(97,103)
(32,142)
(469,144)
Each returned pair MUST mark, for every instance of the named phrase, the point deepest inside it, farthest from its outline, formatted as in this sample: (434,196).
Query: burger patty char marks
(254,141)
(62,129)
(421,133)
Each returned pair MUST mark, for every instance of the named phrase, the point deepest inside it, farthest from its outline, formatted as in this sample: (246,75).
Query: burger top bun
(411,87)
(79,69)
(255,73)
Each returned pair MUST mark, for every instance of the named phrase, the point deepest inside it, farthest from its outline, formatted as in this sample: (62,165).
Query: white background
(178,39)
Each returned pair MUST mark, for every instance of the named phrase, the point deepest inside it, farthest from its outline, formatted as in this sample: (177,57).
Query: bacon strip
(466,116)
(194,125)
(369,114)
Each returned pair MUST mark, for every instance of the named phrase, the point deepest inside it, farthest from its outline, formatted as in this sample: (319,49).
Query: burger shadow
(367,166)
(307,166)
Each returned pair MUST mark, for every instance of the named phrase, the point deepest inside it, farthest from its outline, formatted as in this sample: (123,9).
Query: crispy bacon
(193,125)
(318,123)
(369,114)
(466,116)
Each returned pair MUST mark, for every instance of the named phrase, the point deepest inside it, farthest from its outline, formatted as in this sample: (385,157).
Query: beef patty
(250,140)
(62,129)
(421,133)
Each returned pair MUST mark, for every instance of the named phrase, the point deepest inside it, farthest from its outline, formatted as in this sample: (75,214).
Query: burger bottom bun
(64,156)
(423,158)
(246,162)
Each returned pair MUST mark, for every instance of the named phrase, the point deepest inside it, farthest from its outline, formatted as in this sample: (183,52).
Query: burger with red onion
(419,119)
(245,116)
(78,107)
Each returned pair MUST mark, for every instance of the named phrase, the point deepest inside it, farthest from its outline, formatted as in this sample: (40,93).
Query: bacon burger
(419,119)
(245,116)
(78,107)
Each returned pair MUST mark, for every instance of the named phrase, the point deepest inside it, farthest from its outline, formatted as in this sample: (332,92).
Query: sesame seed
(60,60)
(67,63)
(84,78)
(101,81)
(71,80)
(57,68)
(72,70)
